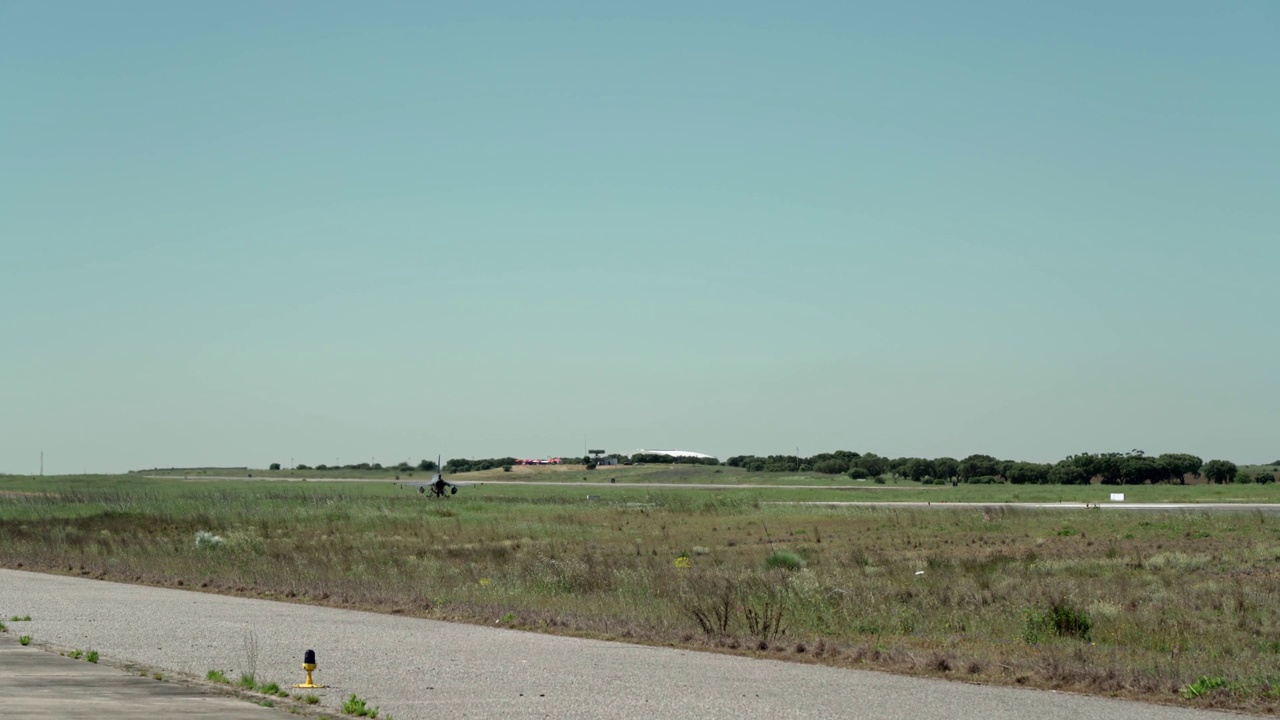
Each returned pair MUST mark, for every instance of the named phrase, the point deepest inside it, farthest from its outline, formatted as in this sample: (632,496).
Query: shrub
(25,640)
(1203,686)
(208,541)
(91,656)
(785,559)
(1061,619)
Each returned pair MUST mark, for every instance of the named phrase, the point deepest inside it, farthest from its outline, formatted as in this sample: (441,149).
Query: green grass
(24,618)
(217,676)
(92,656)
(983,593)
(358,707)
(1203,686)
(271,689)
(24,640)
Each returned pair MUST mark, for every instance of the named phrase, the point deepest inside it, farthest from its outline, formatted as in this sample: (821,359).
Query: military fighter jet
(438,487)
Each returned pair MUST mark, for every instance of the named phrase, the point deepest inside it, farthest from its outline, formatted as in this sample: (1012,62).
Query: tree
(946,468)
(427,465)
(917,469)
(1177,466)
(1068,472)
(1137,469)
(1024,473)
(873,464)
(978,466)
(274,466)
(831,466)
(1220,471)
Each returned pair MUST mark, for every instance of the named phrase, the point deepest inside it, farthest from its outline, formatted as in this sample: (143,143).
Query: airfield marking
(1064,505)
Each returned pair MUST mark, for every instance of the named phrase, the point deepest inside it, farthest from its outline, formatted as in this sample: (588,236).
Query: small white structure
(674,453)
(1117,497)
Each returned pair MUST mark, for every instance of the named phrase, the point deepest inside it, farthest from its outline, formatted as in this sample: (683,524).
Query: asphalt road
(420,669)
(39,685)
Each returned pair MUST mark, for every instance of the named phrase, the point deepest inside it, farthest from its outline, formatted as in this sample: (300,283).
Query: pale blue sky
(242,232)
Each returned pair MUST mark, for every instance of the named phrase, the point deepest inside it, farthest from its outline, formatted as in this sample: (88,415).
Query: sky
(239,233)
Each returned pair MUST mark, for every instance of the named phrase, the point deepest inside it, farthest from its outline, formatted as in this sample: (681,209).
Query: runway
(416,669)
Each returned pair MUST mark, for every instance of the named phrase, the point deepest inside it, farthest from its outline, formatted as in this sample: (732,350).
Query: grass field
(1175,607)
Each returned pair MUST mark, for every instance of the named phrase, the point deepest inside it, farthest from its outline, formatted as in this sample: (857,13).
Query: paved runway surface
(38,685)
(418,669)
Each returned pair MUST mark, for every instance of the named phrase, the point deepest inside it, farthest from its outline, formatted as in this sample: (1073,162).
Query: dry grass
(970,594)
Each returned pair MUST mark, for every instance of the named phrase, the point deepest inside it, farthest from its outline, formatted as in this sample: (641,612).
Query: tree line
(1131,468)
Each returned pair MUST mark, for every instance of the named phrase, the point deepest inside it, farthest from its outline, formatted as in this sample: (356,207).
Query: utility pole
(41,463)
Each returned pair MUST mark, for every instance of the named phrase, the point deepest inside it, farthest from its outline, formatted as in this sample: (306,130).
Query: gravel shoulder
(415,669)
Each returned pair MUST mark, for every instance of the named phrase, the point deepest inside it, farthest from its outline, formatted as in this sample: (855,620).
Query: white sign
(1117,497)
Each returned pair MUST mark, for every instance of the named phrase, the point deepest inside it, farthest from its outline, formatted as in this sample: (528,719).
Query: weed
(711,603)
(247,681)
(267,703)
(785,559)
(1061,619)
(208,541)
(24,618)
(311,699)
(91,656)
(25,639)
(217,676)
(764,609)
(157,676)
(75,654)
(269,689)
(3,627)
(1203,686)
(358,707)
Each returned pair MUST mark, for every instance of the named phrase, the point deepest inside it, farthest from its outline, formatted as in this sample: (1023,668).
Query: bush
(858,473)
(1203,686)
(785,559)
(208,541)
(1061,619)
(274,466)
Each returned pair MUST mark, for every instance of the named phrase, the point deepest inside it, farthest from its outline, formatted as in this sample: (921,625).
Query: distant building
(599,458)
(675,453)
